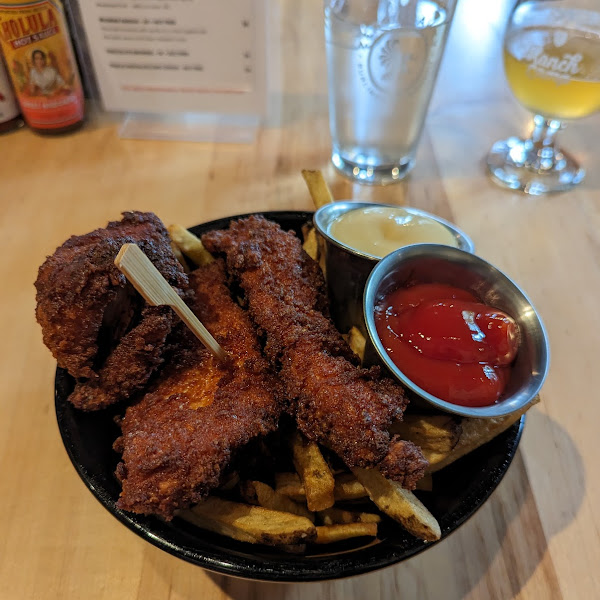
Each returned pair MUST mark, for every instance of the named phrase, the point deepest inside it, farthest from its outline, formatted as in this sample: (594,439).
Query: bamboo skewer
(155,289)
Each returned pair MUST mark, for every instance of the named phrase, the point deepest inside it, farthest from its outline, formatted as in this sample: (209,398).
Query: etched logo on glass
(396,60)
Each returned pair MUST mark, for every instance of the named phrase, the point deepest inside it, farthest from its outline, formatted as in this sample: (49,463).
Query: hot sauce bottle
(41,63)
(10,115)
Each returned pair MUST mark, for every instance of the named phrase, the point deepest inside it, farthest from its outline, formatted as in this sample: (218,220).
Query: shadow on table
(495,553)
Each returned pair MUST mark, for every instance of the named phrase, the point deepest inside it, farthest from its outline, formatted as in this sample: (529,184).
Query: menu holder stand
(194,72)
(191,127)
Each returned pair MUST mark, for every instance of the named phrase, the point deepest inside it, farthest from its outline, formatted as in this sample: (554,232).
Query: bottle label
(8,105)
(37,48)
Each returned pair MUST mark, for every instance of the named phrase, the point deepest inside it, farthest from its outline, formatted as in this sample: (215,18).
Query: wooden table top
(537,536)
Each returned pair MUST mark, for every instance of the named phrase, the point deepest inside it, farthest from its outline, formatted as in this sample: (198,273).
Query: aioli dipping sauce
(379,230)
(448,343)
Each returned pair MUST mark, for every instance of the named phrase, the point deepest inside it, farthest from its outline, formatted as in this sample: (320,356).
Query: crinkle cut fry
(179,438)
(338,404)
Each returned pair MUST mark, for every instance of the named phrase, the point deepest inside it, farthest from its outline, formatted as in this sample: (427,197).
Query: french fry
(318,188)
(339,516)
(347,487)
(399,504)
(434,458)
(476,432)
(311,244)
(290,485)
(179,256)
(190,245)
(314,472)
(357,342)
(327,534)
(257,492)
(248,523)
(438,433)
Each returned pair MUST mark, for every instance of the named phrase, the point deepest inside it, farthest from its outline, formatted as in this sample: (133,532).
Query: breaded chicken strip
(338,405)
(95,324)
(178,439)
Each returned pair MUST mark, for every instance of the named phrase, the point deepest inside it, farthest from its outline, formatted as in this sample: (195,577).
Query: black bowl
(459,490)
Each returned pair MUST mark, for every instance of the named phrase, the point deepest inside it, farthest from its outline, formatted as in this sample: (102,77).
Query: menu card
(178,56)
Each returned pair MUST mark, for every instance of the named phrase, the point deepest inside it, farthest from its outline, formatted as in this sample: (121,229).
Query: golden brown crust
(92,320)
(337,404)
(128,367)
(178,439)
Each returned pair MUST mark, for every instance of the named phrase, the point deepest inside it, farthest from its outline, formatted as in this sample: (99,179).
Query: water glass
(382,60)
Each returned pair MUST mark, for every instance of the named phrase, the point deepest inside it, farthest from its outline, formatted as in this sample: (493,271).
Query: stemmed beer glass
(552,64)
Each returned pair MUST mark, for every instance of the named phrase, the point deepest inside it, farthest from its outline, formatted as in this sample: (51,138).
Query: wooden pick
(155,289)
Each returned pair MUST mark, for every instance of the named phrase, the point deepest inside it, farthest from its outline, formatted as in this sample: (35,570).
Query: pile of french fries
(316,502)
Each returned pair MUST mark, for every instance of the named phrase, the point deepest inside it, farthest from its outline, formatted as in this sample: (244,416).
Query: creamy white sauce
(379,230)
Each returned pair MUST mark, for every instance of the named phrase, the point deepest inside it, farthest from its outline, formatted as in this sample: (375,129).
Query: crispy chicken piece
(93,321)
(338,404)
(178,439)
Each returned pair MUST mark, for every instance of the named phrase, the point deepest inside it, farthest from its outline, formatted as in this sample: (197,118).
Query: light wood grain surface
(539,534)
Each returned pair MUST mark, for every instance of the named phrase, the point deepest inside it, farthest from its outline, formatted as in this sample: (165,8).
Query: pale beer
(555,71)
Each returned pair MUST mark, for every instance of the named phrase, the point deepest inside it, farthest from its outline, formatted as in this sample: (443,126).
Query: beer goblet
(552,64)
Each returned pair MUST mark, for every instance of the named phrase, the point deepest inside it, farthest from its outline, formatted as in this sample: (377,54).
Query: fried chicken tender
(339,405)
(93,321)
(179,438)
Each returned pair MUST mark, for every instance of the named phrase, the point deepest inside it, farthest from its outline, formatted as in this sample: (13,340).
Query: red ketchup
(448,343)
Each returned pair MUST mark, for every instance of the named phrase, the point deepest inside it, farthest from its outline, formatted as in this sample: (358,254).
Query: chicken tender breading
(94,323)
(337,404)
(178,439)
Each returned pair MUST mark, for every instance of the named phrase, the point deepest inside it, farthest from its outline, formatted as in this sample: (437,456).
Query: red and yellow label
(36,44)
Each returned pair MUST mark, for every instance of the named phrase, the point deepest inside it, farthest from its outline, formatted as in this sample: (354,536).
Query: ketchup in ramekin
(448,343)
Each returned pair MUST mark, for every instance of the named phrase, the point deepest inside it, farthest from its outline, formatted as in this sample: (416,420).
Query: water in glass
(381,77)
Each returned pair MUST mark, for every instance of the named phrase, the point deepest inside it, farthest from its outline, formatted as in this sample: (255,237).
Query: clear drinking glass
(552,64)
(382,61)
